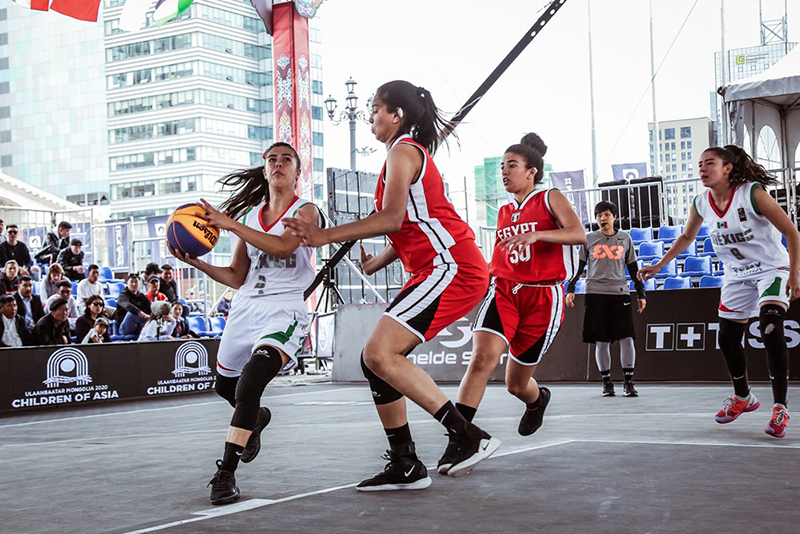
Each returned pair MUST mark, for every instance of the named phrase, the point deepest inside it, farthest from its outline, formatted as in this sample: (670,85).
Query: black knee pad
(226,388)
(264,364)
(770,322)
(382,392)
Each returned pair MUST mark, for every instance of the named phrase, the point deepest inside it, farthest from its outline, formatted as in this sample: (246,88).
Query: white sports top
(746,242)
(268,274)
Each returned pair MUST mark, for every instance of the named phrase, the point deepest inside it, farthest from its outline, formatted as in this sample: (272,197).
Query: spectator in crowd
(224,306)
(133,308)
(49,285)
(167,284)
(94,310)
(182,329)
(152,289)
(29,305)
(10,279)
(150,269)
(13,330)
(71,259)
(161,323)
(65,292)
(13,249)
(89,286)
(98,333)
(54,243)
(53,328)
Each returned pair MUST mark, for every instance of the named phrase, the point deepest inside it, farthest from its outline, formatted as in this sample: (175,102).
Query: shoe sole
(257,433)
(227,500)
(722,420)
(631,394)
(485,450)
(609,394)
(768,430)
(416,485)
(444,468)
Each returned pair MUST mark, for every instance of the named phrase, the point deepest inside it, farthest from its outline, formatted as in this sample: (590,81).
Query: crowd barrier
(70,375)
(676,340)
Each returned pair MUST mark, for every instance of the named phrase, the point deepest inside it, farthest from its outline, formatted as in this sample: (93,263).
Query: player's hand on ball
(570,300)
(213,216)
(185,258)
(303,227)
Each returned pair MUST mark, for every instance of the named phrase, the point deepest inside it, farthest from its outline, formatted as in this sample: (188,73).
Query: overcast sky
(450,47)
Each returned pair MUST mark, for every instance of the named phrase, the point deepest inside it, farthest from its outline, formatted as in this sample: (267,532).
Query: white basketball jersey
(746,242)
(268,274)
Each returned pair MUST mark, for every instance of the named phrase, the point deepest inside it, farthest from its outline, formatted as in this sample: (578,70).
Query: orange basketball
(186,234)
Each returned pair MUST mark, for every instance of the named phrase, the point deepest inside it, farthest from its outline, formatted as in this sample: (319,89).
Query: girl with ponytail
(448,278)
(761,277)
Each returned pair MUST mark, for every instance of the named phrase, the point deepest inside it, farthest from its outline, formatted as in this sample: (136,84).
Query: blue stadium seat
(217,326)
(708,248)
(580,286)
(650,250)
(668,234)
(691,250)
(74,288)
(111,303)
(697,266)
(677,283)
(36,288)
(114,289)
(106,275)
(670,269)
(640,235)
(711,281)
(649,285)
(198,325)
(703,233)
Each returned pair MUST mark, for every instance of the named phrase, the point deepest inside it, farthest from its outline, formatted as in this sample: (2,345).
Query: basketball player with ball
(268,316)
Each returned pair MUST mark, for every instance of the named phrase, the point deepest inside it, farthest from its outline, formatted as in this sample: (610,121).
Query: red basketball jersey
(545,263)
(431,224)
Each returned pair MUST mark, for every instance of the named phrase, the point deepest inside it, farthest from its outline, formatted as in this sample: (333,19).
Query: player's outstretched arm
(682,243)
(775,214)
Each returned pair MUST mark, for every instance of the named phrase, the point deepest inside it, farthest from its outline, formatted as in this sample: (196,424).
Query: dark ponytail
(250,186)
(420,116)
(745,169)
(529,149)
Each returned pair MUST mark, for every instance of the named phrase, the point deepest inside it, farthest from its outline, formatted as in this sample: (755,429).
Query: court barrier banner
(676,340)
(70,375)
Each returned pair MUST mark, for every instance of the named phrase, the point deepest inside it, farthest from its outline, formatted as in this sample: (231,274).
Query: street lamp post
(350,113)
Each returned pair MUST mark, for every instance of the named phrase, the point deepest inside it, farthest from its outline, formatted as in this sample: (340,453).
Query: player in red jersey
(524,307)
(448,278)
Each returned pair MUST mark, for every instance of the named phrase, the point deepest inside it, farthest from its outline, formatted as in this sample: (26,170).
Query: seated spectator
(160,324)
(29,305)
(13,330)
(152,289)
(49,285)
(167,284)
(53,328)
(89,286)
(65,292)
(71,259)
(10,279)
(54,243)
(133,308)
(224,306)
(182,329)
(151,269)
(98,333)
(13,249)
(94,309)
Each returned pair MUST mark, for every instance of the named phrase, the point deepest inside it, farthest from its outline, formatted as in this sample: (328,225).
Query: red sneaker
(780,420)
(733,407)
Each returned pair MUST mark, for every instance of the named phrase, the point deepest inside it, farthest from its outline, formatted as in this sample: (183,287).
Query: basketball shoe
(532,418)
(733,407)
(608,390)
(223,486)
(401,473)
(629,390)
(779,422)
(473,446)
(253,446)
(446,461)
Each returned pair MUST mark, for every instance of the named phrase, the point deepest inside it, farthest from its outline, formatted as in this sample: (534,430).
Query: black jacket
(47,333)
(8,287)
(82,327)
(37,310)
(18,252)
(69,261)
(52,246)
(25,335)
(127,303)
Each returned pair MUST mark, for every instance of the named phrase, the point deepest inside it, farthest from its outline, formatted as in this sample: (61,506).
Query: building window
(318,139)
(6,161)
(316,87)
(5,112)
(689,146)
(318,165)
(3,38)
(686,132)
(5,136)
(683,145)
(3,63)
(5,88)
(316,113)
(669,134)
(3,14)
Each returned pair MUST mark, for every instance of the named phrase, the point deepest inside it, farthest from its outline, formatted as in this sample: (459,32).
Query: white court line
(167,408)
(776,445)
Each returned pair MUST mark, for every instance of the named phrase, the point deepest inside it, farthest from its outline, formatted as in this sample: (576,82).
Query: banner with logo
(44,377)
(34,238)
(629,171)
(157,227)
(567,181)
(118,243)
(83,231)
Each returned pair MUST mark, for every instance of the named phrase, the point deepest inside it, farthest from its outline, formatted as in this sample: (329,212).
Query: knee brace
(382,392)
(264,364)
(770,322)
(226,388)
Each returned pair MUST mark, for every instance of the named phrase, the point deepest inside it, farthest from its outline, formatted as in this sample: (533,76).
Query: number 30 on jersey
(515,256)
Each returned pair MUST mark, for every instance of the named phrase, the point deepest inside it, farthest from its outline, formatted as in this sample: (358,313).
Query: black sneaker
(223,486)
(532,418)
(401,473)
(608,390)
(474,446)
(629,390)
(253,446)
(446,461)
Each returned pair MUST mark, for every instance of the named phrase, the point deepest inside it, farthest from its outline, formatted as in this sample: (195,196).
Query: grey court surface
(657,463)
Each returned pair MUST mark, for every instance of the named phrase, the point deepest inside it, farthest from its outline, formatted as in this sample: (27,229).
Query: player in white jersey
(761,278)
(268,317)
